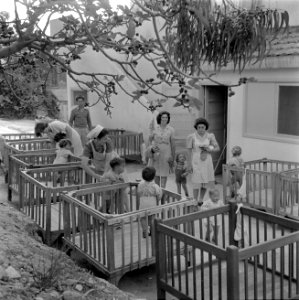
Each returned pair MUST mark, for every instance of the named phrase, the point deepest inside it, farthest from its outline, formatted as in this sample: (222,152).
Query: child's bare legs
(178,185)
(195,194)
(184,185)
(146,228)
(161,181)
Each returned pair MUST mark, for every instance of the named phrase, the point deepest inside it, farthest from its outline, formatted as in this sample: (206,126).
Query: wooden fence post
(232,222)
(160,260)
(233,289)
(48,216)
(276,192)
(110,247)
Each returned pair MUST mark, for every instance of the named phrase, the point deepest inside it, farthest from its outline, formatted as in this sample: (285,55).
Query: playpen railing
(25,146)
(271,165)
(289,193)
(36,159)
(119,245)
(128,144)
(18,136)
(265,267)
(261,187)
(40,189)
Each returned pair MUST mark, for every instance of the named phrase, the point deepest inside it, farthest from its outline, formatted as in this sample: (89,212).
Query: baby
(64,152)
(150,195)
(181,173)
(211,227)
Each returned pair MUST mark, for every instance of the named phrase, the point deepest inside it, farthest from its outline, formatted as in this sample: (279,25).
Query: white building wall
(255,148)
(125,114)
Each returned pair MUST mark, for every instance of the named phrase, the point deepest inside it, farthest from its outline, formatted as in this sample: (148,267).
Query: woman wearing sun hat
(99,149)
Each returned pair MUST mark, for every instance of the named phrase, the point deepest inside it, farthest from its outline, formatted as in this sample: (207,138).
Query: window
(271,111)
(288,110)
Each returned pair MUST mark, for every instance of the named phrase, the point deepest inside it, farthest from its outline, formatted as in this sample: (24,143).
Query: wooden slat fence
(289,193)
(114,242)
(263,182)
(33,160)
(127,143)
(18,136)
(39,194)
(263,265)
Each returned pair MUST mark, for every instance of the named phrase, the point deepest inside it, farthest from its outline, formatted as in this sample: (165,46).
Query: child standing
(181,173)
(236,177)
(112,176)
(150,195)
(211,226)
(64,152)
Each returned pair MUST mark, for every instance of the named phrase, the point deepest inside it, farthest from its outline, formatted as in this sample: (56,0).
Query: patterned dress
(162,138)
(203,170)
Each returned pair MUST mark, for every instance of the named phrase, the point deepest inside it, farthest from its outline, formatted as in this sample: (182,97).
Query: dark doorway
(215,111)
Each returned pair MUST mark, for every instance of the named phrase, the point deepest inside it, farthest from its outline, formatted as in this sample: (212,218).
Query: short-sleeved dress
(203,170)
(162,138)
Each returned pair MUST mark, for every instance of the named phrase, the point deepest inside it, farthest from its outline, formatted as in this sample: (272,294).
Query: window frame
(275,137)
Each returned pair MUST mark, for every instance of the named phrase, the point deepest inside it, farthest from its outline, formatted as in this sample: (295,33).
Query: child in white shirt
(64,152)
(150,195)
(212,228)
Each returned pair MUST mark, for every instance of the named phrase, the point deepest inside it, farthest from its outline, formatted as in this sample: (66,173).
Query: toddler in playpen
(181,173)
(212,226)
(64,152)
(63,157)
(236,176)
(113,176)
(150,195)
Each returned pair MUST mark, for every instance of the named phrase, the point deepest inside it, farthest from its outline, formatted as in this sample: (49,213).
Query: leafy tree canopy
(193,33)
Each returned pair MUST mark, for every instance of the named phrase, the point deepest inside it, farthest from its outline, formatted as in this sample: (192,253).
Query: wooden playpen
(114,243)
(127,143)
(289,193)
(31,160)
(18,136)
(263,182)
(39,195)
(265,265)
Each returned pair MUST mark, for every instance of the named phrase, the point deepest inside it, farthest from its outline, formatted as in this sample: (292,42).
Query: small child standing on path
(211,226)
(236,177)
(113,176)
(181,173)
(150,195)
(64,152)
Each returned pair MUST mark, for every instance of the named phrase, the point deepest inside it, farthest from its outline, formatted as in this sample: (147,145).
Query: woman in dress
(51,128)
(162,148)
(200,145)
(99,149)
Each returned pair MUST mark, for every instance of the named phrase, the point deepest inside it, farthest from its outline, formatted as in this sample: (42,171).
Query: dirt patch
(31,270)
